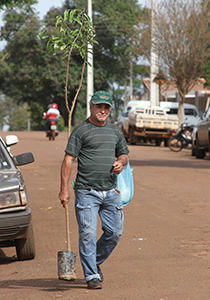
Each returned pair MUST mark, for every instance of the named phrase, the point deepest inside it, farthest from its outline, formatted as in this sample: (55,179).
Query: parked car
(190,113)
(121,118)
(202,139)
(15,215)
(124,115)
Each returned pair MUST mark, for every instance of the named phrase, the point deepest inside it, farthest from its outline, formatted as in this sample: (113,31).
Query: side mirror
(11,140)
(24,158)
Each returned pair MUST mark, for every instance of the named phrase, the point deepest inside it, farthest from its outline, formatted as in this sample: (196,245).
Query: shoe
(94,284)
(100,273)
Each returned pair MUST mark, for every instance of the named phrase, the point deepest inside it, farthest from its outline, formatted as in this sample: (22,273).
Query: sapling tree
(76,34)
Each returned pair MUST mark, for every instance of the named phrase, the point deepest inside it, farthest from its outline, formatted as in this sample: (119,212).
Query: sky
(44,6)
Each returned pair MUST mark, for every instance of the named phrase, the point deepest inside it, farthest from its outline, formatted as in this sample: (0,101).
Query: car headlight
(10,199)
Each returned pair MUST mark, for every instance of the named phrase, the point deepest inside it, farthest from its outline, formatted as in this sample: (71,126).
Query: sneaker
(94,284)
(100,273)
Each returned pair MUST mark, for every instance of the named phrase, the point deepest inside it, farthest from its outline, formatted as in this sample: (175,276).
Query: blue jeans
(88,204)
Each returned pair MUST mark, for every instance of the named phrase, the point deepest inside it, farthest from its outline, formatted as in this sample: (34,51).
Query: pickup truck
(148,124)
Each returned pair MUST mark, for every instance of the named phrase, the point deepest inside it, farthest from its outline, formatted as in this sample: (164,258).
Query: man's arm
(119,163)
(66,169)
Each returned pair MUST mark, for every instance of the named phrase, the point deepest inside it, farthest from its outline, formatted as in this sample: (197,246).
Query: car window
(172,111)
(139,110)
(4,162)
(190,112)
(159,112)
(207,113)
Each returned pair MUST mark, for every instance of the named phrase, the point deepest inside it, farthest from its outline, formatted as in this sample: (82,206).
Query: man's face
(100,112)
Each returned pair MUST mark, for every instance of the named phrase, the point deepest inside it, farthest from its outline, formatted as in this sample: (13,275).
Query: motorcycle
(181,140)
(52,132)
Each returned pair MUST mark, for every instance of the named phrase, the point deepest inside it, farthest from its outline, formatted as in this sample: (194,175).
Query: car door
(203,129)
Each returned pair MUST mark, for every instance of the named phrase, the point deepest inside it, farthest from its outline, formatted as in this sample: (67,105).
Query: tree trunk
(181,109)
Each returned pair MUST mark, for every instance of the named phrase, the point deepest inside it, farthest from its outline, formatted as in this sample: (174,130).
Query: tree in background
(5,108)
(115,23)
(29,74)
(12,116)
(182,42)
(13,3)
(18,118)
(22,60)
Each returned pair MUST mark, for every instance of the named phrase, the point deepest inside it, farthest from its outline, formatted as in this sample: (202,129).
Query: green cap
(101,97)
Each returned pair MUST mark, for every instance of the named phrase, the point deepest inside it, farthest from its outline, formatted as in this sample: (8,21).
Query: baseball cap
(101,97)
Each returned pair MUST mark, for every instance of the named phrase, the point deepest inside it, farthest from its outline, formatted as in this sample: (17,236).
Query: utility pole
(89,61)
(154,69)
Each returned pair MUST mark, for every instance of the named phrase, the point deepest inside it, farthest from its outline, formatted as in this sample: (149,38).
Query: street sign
(159,79)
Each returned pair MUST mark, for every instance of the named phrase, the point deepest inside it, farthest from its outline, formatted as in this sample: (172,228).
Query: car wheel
(193,150)
(157,143)
(199,153)
(132,138)
(166,142)
(25,248)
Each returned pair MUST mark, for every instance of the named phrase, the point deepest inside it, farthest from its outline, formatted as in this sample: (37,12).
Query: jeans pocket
(119,218)
(83,215)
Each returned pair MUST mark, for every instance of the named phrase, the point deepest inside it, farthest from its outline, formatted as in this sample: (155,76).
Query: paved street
(165,249)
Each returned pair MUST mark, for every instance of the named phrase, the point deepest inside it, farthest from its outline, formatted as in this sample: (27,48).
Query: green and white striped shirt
(96,148)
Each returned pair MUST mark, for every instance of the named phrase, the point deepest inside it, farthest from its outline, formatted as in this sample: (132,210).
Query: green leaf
(59,20)
(63,27)
(66,13)
(89,64)
(56,49)
(55,38)
(78,20)
(49,46)
(71,16)
(76,45)
(43,34)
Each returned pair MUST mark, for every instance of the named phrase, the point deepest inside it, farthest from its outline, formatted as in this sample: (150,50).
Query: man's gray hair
(91,103)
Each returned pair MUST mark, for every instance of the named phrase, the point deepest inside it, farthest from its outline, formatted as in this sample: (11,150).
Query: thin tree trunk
(181,109)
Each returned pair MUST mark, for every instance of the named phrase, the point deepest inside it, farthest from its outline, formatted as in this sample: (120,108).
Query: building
(199,95)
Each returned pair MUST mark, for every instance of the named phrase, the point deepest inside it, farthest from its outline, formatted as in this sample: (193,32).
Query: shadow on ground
(44,284)
(170,163)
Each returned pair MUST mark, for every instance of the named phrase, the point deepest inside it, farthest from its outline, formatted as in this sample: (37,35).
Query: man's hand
(117,167)
(119,163)
(66,169)
(64,197)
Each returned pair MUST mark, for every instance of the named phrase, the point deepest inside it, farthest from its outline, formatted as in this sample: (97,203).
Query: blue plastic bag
(125,184)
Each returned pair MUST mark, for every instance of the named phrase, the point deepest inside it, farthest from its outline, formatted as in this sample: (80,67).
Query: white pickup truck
(148,124)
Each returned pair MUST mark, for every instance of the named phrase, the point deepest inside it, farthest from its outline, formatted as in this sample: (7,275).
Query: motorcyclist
(53,114)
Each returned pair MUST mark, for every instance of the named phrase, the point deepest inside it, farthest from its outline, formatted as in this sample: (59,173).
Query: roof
(170,87)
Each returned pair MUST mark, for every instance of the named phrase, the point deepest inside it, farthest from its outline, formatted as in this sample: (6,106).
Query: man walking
(101,150)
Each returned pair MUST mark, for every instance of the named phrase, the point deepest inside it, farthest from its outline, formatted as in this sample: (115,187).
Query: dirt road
(165,249)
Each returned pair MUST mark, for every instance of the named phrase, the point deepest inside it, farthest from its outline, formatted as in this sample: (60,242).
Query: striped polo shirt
(96,148)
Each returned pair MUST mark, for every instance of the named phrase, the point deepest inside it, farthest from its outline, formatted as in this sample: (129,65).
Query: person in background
(101,150)
(52,114)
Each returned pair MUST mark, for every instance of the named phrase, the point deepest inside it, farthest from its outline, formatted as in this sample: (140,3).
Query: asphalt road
(165,249)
